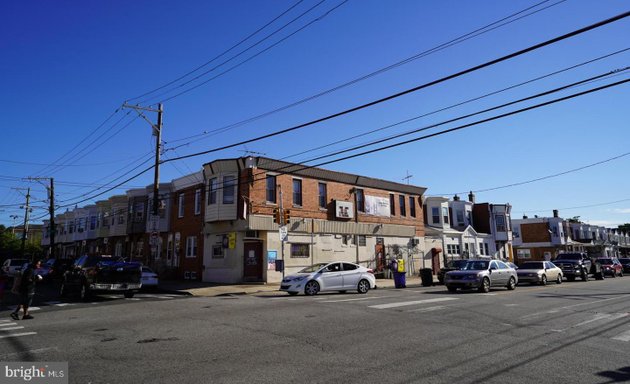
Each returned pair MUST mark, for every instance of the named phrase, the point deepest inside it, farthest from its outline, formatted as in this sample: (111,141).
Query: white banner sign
(344,210)
(377,206)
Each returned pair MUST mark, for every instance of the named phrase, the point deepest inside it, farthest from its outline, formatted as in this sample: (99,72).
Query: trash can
(279,265)
(400,280)
(426,275)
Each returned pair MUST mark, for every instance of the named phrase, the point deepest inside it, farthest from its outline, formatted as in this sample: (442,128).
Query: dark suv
(92,274)
(578,265)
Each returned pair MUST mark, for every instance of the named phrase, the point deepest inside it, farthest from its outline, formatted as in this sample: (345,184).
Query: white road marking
(407,303)
(10,329)
(606,317)
(429,309)
(6,324)
(4,321)
(18,335)
(360,299)
(33,309)
(63,304)
(623,337)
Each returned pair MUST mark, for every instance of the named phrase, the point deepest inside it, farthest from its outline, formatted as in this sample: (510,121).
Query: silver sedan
(481,275)
(539,272)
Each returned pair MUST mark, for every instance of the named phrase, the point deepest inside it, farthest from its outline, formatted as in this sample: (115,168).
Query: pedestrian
(4,284)
(27,290)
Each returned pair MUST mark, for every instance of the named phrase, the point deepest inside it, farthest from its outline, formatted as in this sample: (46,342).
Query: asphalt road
(574,332)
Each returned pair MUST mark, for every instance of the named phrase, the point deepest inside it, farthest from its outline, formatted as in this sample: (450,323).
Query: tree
(624,228)
(574,219)
(9,243)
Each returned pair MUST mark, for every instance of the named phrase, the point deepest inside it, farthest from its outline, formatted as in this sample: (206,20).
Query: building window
(271,189)
(360,200)
(500,219)
(121,218)
(362,240)
(485,245)
(300,250)
(191,246)
(323,195)
(403,208)
(92,223)
(138,210)
(445,214)
(229,182)
(180,205)
(460,217)
(412,206)
(197,201)
(481,248)
(217,251)
(435,213)
(297,192)
(392,204)
(212,191)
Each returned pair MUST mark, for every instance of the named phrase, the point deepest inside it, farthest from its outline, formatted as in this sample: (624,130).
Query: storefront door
(253,261)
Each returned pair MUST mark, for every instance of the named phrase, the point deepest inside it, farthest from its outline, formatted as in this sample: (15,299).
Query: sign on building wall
(344,209)
(377,206)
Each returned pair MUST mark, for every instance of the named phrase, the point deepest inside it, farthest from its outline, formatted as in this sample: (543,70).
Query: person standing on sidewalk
(27,290)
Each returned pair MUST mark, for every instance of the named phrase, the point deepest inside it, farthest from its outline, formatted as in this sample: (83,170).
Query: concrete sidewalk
(196,288)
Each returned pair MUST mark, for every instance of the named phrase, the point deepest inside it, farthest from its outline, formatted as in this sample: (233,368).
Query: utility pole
(282,223)
(25,227)
(157,131)
(51,210)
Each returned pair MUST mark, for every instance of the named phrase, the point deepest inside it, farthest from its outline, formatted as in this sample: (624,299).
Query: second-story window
(445,215)
(138,209)
(392,204)
(460,217)
(92,223)
(229,190)
(323,195)
(197,201)
(180,205)
(412,206)
(212,191)
(271,189)
(403,208)
(297,192)
(435,214)
(500,219)
(360,200)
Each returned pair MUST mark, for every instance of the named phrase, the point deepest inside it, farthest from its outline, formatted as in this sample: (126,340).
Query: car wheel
(452,289)
(543,280)
(485,285)
(311,288)
(129,294)
(512,283)
(364,286)
(292,293)
(559,279)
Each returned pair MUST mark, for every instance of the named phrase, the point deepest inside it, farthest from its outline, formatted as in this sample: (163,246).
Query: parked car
(611,266)
(336,276)
(149,278)
(95,274)
(625,263)
(12,267)
(482,275)
(511,265)
(576,264)
(451,265)
(539,272)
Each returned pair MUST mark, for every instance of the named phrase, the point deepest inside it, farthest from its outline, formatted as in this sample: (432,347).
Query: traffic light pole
(281,223)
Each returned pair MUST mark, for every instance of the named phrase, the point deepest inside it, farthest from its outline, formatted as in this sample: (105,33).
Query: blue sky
(66,66)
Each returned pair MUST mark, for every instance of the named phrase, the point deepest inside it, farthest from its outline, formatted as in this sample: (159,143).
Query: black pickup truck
(576,264)
(102,274)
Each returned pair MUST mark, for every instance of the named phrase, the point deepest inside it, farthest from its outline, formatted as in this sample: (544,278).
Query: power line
(487,28)
(220,55)
(414,89)
(250,58)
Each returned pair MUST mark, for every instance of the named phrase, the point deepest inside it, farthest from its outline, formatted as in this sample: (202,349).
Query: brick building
(333,216)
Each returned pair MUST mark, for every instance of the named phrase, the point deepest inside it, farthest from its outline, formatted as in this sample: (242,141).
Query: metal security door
(252,261)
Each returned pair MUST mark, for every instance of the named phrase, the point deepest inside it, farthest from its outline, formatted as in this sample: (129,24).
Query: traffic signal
(276,216)
(286,216)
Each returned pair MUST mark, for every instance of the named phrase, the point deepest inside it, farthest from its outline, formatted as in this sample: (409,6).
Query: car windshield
(532,265)
(457,264)
(605,261)
(475,265)
(18,262)
(313,268)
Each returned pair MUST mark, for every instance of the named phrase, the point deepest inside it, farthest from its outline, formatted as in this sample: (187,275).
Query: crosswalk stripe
(429,309)
(10,329)
(63,304)
(33,309)
(360,299)
(18,335)
(623,337)
(4,321)
(7,324)
(407,303)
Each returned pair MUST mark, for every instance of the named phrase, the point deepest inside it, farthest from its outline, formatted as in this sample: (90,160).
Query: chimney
(555,213)
(524,216)
(455,198)
(471,197)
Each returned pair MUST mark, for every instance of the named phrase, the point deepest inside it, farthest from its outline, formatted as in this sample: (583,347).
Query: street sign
(284,233)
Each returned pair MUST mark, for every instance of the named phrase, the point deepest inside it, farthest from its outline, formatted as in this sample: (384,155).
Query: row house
(332,216)
(457,229)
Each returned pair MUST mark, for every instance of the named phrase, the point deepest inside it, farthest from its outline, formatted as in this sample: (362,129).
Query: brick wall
(535,233)
(188,225)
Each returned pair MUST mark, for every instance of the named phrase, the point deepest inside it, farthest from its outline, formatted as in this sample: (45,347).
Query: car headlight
(299,278)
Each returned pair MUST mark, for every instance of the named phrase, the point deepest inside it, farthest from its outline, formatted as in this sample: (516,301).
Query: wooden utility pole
(25,227)
(51,210)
